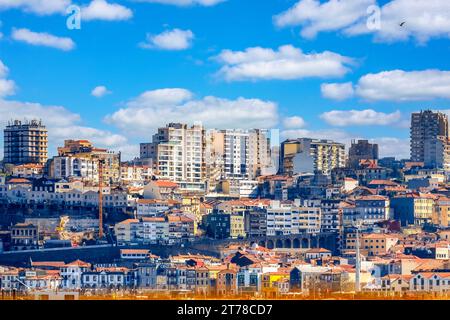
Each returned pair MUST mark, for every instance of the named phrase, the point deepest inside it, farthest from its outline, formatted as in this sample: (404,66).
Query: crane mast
(100,198)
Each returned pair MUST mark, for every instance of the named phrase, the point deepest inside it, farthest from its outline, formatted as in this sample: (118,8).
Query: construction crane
(101,163)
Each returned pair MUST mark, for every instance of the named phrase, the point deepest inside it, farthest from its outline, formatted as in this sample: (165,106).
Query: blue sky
(191,60)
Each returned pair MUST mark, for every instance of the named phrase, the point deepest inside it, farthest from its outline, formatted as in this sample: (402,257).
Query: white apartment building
(248,189)
(72,166)
(331,215)
(151,207)
(72,273)
(308,219)
(135,174)
(69,197)
(155,230)
(236,153)
(103,279)
(29,170)
(367,210)
(179,155)
(279,218)
(245,153)
(285,218)
(430,282)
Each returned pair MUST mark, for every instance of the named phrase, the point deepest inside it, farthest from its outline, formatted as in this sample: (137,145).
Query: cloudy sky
(338,69)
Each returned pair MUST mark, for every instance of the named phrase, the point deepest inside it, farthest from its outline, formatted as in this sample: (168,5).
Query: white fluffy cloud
(161,97)
(294,122)
(337,91)
(94,10)
(393,147)
(100,91)
(315,16)
(39,7)
(424,19)
(101,137)
(102,10)
(394,85)
(43,39)
(154,109)
(360,118)
(399,85)
(185,3)
(286,63)
(7,87)
(175,39)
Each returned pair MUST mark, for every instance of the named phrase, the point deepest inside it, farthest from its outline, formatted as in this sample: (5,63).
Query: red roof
(166,184)
(19,180)
(383,183)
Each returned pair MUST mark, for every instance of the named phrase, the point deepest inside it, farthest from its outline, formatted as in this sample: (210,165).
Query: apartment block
(306,155)
(285,218)
(80,158)
(361,150)
(413,209)
(242,154)
(429,138)
(179,155)
(366,210)
(25,142)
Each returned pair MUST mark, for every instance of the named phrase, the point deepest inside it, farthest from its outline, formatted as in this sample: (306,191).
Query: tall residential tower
(25,142)
(429,138)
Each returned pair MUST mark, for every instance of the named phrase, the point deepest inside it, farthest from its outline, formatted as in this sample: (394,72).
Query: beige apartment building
(80,159)
(308,155)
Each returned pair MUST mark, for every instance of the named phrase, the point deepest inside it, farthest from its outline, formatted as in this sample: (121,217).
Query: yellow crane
(74,237)
(61,228)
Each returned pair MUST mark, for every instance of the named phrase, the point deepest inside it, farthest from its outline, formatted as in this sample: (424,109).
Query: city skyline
(117,79)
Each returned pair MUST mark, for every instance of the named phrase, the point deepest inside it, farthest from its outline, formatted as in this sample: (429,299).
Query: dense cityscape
(225,213)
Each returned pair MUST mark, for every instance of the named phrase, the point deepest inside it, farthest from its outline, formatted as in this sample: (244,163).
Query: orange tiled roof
(166,184)
(19,180)
(372,197)
(56,264)
(383,182)
(128,221)
(78,263)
